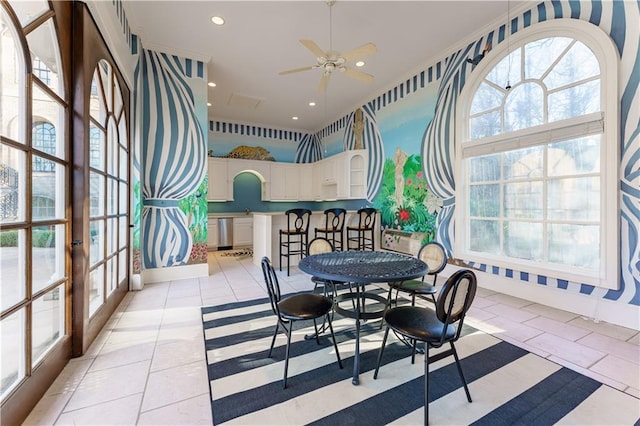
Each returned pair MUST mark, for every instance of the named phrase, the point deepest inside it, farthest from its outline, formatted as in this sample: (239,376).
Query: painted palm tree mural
(194,208)
(404,201)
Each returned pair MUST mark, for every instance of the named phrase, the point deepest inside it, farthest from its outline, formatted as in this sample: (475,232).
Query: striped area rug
(508,384)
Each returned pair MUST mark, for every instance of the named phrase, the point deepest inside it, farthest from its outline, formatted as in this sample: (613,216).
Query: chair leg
(273,341)
(335,344)
(286,356)
(315,326)
(384,342)
(464,382)
(426,384)
(413,351)
(280,250)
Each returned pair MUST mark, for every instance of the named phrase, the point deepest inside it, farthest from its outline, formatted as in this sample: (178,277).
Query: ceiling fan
(331,60)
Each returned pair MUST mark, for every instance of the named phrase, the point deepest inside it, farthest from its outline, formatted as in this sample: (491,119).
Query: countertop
(221,215)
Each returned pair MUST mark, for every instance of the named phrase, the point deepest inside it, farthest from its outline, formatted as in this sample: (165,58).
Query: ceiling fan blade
(360,52)
(296,70)
(358,75)
(324,80)
(313,47)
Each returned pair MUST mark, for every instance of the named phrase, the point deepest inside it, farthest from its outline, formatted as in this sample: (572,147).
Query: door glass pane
(112,147)
(123,207)
(27,11)
(45,56)
(97,107)
(96,181)
(48,322)
(112,196)
(124,229)
(124,166)
(122,265)
(122,129)
(96,233)
(12,83)
(48,189)
(12,182)
(12,268)
(96,147)
(47,110)
(96,289)
(112,235)
(112,275)
(47,255)
(12,339)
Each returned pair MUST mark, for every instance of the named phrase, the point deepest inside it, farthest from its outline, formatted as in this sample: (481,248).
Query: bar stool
(297,235)
(364,232)
(333,226)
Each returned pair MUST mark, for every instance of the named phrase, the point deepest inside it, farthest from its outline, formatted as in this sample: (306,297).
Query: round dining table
(360,268)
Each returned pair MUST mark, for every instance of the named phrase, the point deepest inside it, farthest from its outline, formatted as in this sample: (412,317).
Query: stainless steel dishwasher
(225,233)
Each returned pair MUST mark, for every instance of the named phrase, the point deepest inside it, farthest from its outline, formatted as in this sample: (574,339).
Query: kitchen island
(266,227)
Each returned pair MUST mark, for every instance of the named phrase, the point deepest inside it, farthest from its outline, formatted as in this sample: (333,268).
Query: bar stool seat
(333,227)
(362,234)
(294,239)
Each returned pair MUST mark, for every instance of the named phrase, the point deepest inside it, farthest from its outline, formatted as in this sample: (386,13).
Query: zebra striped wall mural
(173,156)
(621,20)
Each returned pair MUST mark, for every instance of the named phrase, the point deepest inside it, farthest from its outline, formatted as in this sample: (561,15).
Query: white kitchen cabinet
(285,182)
(243,231)
(218,188)
(212,233)
(306,182)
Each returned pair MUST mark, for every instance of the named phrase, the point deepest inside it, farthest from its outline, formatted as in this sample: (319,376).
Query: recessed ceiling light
(294,118)
(208,103)
(211,84)
(218,20)
(360,64)
(312,104)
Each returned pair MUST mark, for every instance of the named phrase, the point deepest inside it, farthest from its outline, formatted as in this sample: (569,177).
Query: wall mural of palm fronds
(194,208)
(404,201)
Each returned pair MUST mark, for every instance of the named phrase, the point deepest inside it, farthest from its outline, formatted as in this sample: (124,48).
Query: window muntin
(551,211)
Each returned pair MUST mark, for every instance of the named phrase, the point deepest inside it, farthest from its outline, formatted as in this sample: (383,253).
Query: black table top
(363,266)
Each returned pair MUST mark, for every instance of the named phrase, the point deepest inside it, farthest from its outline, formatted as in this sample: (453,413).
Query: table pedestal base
(358,312)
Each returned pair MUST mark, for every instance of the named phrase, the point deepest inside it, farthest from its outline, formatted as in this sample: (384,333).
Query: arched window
(538,162)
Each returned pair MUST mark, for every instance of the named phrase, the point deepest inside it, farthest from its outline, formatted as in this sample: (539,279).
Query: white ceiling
(261,38)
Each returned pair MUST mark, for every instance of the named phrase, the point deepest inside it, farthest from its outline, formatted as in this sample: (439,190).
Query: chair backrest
(298,220)
(455,297)
(367,218)
(434,255)
(273,287)
(334,218)
(319,245)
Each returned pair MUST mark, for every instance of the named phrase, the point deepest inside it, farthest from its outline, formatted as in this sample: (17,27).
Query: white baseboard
(590,307)
(174,273)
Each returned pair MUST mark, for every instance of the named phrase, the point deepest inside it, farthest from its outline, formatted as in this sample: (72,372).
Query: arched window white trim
(604,124)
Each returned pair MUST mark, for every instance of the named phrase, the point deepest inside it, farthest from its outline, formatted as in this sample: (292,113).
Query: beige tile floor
(148,366)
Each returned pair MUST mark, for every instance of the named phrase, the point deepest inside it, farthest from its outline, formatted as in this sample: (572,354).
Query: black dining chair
(333,227)
(297,307)
(295,237)
(435,327)
(435,256)
(363,233)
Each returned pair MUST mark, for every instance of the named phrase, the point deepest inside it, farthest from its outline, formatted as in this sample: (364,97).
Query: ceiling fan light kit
(331,60)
